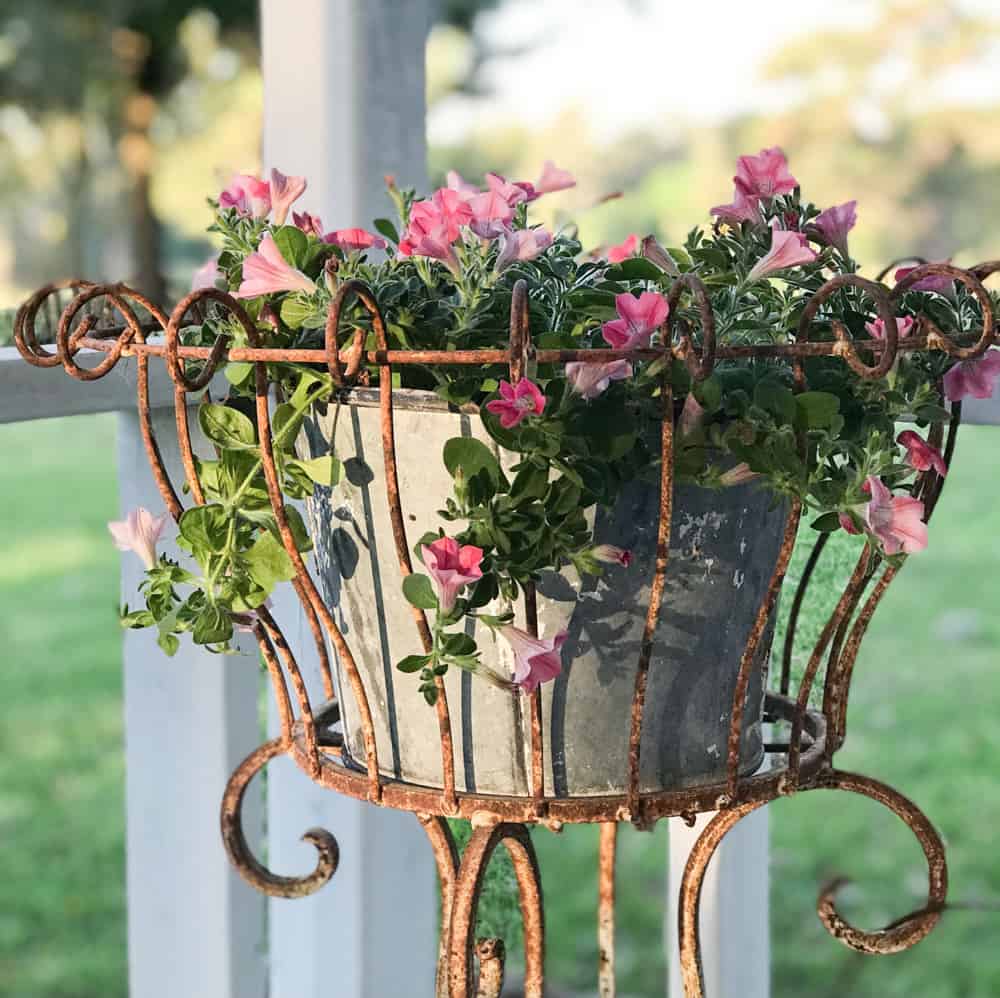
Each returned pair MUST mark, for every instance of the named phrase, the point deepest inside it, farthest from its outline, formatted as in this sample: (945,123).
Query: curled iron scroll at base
(250,869)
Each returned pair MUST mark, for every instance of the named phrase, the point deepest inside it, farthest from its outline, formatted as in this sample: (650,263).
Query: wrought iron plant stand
(803,762)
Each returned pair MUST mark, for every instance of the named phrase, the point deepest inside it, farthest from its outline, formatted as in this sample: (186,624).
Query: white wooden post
(735,947)
(344,105)
(194,928)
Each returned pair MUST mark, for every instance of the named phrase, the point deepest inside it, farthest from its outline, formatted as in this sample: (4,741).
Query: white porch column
(344,105)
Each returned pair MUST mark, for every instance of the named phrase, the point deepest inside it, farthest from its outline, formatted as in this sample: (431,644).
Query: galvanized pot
(723,549)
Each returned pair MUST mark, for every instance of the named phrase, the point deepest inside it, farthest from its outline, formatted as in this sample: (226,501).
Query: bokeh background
(117,117)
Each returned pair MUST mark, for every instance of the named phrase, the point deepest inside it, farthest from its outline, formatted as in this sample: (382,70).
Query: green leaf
(817,409)
(419,592)
(413,663)
(169,643)
(322,470)
(298,311)
(226,427)
(471,456)
(933,414)
(212,625)
(385,228)
(826,523)
(778,400)
(636,268)
(237,371)
(286,421)
(204,528)
(293,244)
(267,562)
(531,482)
(459,644)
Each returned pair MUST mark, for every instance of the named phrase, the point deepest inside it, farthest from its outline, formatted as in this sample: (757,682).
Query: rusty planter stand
(802,763)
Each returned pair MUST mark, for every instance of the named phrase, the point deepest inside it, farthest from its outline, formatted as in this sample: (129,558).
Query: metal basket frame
(805,762)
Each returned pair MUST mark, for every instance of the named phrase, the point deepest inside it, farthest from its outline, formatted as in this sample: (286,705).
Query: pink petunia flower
(521,244)
(973,378)
(311,225)
(536,660)
(904,326)
(589,380)
(638,319)
(206,275)
(139,532)
(434,227)
(284,192)
(921,455)
(765,175)
(624,250)
(834,224)
(249,196)
(517,402)
(492,213)
(456,182)
(611,555)
(739,474)
(553,179)
(788,249)
(267,272)
(451,567)
(692,417)
(742,209)
(940,283)
(896,521)
(354,240)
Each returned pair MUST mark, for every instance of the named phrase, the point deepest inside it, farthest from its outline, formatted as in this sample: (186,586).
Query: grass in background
(925,697)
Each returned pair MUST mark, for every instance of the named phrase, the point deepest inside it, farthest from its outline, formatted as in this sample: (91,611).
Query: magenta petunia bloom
(284,192)
(536,660)
(451,567)
(589,380)
(517,402)
(897,521)
(267,272)
(788,249)
(609,554)
(973,378)
(638,319)
(521,244)
(553,179)
(765,175)
(434,227)
(624,250)
(834,224)
(941,283)
(139,532)
(904,326)
(249,196)
(354,240)
(921,455)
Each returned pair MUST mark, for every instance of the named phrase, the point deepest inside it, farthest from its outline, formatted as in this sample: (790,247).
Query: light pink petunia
(765,175)
(267,272)
(897,521)
(521,244)
(311,225)
(284,192)
(973,378)
(517,402)
(921,455)
(456,182)
(612,555)
(834,224)
(354,240)
(656,254)
(553,179)
(433,228)
(589,380)
(139,532)
(536,660)
(904,326)
(206,275)
(739,474)
(492,212)
(941,283)
(451,567)
(788,249)
(742,209)
(692,417)
(624,250)
(638,319)
(250,196)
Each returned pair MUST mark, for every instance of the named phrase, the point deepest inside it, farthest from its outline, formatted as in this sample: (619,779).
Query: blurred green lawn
(924,708)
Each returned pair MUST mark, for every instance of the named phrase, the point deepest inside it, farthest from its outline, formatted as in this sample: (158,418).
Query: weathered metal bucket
(723,550)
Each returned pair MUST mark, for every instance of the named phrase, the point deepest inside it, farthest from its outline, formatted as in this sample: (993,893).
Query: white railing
(344,85)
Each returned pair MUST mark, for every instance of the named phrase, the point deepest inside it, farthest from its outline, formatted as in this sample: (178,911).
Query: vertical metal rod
(606,910)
